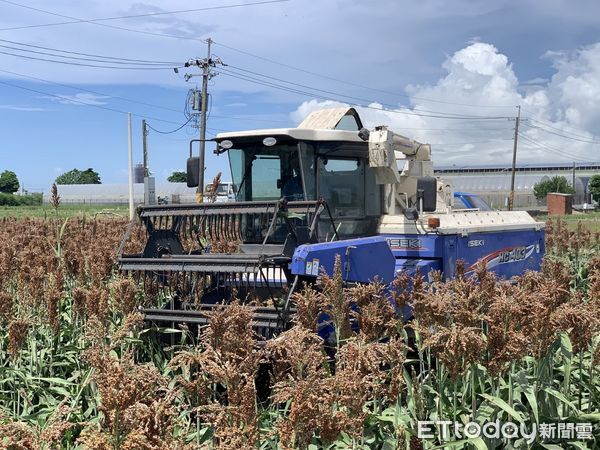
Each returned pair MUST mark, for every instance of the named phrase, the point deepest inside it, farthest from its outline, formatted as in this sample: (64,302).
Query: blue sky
(437,56)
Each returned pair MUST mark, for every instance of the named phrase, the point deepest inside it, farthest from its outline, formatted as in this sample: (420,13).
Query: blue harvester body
(506,253)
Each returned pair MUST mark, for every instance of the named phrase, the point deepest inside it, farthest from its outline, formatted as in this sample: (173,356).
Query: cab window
(341,184)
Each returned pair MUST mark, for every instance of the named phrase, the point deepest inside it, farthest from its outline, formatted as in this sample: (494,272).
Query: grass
(64,211)
(589,220)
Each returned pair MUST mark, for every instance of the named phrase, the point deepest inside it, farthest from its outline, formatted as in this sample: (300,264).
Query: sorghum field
(78,369)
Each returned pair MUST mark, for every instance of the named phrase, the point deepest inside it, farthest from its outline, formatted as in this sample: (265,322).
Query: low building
(118,194)
(493,182)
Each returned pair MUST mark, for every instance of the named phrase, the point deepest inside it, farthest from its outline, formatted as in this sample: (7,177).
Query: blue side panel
(424,266)
(410,266)
(362,259)
(449,256)
(508,253)
(415,245)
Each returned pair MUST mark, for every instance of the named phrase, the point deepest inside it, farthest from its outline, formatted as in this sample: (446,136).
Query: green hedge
(20,200)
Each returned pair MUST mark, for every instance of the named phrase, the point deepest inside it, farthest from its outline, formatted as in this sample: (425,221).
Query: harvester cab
(304,196)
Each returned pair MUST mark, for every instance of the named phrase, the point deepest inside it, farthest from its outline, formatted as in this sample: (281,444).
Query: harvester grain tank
(304,196)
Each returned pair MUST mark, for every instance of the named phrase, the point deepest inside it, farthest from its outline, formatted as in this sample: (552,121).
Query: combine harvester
(305,195)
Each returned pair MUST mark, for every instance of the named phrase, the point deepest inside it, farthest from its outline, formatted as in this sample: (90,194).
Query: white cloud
(79,99)
(537,81)
(179,25)
(574,90)
(24,108)
(476,75)
(480,75)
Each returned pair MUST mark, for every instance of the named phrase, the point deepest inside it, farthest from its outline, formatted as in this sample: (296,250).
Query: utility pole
(573,184)
(206,64)
(130,167)
(149,182)
(511,198)
(205,75)
(145,147)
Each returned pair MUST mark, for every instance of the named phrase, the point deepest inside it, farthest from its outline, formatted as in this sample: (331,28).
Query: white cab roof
(320,125)
(301,134)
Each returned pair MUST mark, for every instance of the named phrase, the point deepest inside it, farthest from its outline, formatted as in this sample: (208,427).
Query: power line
(321,97)
(106,25)
(328,92)
(349,83)
(455,129)
(131,16)
(470,143)
(336,93)
(587,141)
(79,58)
(169,132)
(182,125)
(552,150)
(71,63)
(222,116)
(247,78)
(228,71)
(126,99)
(107,108)
(129,60)
(551,125)
(549,149)
(248,119)
(95,22)
(92,91)
(546,124)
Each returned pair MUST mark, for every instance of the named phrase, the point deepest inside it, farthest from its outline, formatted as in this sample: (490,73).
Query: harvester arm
(398,162)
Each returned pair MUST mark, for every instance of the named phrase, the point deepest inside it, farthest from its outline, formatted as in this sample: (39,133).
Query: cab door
(342,185)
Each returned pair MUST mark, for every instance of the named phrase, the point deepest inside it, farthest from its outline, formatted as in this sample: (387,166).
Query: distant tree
(555,184)
(594,187)
(9,183)
(90,176)
(177,177)
(75,176)
(70,177)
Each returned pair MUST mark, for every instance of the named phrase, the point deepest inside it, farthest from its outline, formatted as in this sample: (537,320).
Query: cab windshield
(264,173)
(337,172)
